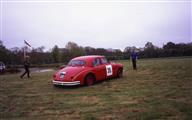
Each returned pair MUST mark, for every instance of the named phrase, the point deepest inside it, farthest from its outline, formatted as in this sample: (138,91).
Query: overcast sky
(109,24)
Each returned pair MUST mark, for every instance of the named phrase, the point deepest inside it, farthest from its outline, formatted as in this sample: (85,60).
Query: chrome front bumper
(66,83)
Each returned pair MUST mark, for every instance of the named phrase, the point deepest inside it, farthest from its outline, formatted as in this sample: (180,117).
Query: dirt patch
(129,102)
(90,99)
(145,72)
(181,100)
(130,110)
(107,117)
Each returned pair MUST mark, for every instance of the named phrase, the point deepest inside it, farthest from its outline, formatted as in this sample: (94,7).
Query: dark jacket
(26,64)
(133,56)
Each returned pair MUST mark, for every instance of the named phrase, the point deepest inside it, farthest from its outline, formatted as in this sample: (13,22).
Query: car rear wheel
(56,86)
(119,73)
(89,80)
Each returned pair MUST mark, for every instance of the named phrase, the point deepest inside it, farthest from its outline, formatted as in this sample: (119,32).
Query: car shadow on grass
(97,83)
(67,87)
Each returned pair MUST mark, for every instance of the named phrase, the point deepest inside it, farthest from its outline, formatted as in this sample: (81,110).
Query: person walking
(26,66)
(134,59)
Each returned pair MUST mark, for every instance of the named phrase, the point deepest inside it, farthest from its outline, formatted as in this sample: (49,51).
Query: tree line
(14,56)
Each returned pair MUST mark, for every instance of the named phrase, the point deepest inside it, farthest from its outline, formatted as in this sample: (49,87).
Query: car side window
(96,62)
(104,61)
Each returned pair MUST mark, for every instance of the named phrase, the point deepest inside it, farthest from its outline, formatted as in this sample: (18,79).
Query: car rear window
(76,63)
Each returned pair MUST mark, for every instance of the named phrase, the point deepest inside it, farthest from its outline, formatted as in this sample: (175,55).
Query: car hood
(70,72)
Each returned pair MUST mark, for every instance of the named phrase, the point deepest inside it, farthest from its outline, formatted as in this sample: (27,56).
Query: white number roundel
(109,70)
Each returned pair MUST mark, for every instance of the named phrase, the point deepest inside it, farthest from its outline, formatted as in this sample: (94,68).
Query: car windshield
(76,63)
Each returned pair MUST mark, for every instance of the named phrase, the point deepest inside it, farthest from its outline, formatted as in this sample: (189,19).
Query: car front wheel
(89,80)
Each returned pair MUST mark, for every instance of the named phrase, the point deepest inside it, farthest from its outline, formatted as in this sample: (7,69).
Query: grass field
(159,89)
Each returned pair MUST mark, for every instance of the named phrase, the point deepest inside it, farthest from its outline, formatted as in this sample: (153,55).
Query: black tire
(89,80)
(56,86)
(120,73)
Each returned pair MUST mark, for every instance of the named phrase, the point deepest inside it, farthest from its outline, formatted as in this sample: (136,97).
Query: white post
(24,53)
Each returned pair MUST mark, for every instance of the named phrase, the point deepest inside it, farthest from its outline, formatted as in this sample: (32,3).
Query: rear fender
(81,76)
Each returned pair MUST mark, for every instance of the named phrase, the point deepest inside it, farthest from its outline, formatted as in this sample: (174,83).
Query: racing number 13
(109,70)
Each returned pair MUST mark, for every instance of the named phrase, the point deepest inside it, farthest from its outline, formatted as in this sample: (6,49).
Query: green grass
(159,89)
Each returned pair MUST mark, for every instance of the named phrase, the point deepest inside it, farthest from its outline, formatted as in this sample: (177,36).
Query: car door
(108,68)
(99,69)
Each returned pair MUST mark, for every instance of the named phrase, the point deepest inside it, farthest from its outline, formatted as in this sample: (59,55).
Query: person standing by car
(26,66)
(2,67)
(134,59)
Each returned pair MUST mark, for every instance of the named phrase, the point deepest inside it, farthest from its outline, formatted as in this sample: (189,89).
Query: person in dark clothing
(26,66)
(134,59)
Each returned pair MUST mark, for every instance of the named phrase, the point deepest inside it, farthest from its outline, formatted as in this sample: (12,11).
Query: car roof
(87,57)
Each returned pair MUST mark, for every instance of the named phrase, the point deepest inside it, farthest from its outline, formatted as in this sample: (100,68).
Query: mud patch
(90,99)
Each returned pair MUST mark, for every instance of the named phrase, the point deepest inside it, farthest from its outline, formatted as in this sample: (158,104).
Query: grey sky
(96,24)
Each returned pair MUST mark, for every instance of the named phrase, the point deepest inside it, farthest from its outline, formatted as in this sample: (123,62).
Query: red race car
(85,70)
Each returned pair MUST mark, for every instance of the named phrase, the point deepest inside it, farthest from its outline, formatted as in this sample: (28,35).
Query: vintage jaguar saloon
(85,70)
